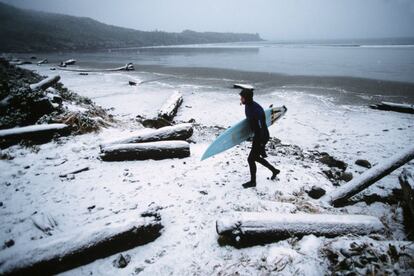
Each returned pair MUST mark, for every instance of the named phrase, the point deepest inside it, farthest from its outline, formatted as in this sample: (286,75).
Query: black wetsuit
(257,120)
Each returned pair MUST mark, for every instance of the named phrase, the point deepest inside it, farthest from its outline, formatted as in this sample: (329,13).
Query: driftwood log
(244,228)
(34,133)
(170,107)
(388,106)
(46,83)
(177,132)
(142,151)
(340,196)
(407,185)
(126,67)
(60,253)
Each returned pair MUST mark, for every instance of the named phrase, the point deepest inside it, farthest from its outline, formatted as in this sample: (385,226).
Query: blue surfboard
(240,132)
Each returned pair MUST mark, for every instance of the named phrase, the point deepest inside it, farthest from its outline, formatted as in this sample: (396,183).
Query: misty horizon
(272,20)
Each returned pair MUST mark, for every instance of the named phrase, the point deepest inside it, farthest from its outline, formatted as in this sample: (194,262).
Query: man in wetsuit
(257,120)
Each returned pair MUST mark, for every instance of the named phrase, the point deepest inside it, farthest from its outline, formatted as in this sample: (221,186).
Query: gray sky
(273,19)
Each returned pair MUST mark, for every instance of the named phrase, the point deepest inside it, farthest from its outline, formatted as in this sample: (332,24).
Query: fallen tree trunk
(244,229)
(142,151)
(340,196)
(46,83)
(407,185)
(126,67)
(60,253)
(388,106)
(35,133)
(170,107)
(177,132)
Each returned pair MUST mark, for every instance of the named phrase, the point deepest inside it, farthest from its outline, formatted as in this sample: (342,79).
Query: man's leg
(265,163)
(252,166)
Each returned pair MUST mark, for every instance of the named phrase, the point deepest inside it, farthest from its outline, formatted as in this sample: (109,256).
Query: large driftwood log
(404,108)
(177,132)
(126,67)
(60,253)
(34,133)
(243,229)
(407,185)
(142,151)
(170,107)
(46,83)
(340,196)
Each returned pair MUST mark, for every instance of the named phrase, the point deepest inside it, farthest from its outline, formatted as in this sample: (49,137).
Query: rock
(332,162)
(83,74)
(346,176)
(9,243)
(363,163)
(1,204)
(132,83)
(316,192)
(155,123)
(121,261)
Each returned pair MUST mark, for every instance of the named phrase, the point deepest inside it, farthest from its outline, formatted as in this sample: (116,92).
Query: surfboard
(240,132)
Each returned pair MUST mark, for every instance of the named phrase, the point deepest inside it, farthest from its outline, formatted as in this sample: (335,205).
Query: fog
(272,19)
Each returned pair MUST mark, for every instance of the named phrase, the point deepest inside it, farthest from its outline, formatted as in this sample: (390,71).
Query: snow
(4,133)
(192,195)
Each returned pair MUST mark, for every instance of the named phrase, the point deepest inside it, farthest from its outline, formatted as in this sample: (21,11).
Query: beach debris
(43,61)
(369,257)
(406,179)
(169,133)
(316,192)
(83,169)
(388,106)
(170,107)
(339,196)
(44,222)
(132,83)
(250,228)
(121,261)
(142,151)
(46,83)
(67,62)
(363,163)
(84,245)
(35,133)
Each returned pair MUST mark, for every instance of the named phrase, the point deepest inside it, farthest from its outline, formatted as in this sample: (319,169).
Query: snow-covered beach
(191,195)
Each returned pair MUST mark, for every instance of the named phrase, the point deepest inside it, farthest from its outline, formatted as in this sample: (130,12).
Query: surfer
(257,120)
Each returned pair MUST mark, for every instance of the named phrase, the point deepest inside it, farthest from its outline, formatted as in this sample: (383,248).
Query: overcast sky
(272,19)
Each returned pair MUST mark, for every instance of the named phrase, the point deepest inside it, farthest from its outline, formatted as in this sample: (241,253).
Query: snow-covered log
(388,106)
(339,196)
(177,132)
(142,151)
(34,133)
(126,67)
(243,86)
(170,107)
(56,254)
(46,83)
(407,185)
(248,228)
(43,61)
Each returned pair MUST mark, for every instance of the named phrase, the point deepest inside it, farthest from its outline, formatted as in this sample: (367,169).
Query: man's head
(246,96)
